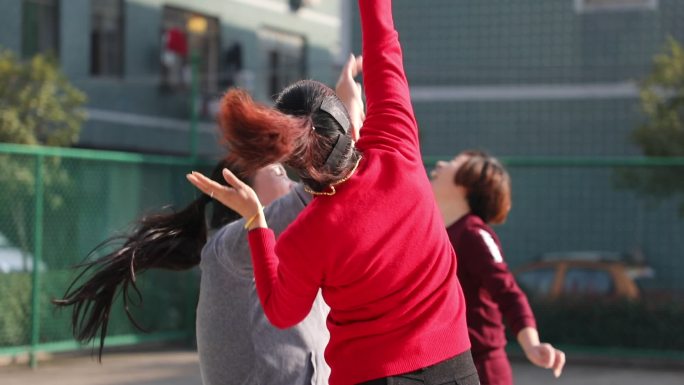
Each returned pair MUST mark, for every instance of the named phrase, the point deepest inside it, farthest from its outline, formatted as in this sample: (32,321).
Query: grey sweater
(236,343)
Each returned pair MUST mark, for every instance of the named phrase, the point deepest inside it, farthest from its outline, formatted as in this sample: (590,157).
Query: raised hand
(349,92)
(541,354)
(546,356)
(237,196)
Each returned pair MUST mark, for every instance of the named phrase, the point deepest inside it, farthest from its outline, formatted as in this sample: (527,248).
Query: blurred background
(106,104)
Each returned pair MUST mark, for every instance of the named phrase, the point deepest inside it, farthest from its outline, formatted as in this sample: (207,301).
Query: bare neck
(452,210)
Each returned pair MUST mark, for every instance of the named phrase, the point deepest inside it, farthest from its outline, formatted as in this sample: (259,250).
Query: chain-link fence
(596,254)
(56,205)
(600,255)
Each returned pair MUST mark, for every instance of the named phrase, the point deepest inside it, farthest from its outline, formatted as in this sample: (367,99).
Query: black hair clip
(338,150)
(331,106)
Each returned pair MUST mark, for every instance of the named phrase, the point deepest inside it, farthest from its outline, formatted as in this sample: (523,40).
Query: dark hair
(488,186)
(171,241)
(258,135)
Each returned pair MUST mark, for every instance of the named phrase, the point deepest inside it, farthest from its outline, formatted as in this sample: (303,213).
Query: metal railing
(32,191)
(56,204)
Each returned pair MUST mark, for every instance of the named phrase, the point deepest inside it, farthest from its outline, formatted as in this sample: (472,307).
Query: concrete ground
(180,367)
(592,374)
(155,367)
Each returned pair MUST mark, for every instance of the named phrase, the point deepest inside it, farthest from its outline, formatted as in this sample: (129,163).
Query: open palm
(237,196)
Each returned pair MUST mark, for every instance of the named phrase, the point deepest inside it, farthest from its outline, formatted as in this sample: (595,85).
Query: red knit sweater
(377,248)
(491,292)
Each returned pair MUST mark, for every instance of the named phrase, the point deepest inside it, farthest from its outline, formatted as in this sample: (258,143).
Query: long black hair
(171,241)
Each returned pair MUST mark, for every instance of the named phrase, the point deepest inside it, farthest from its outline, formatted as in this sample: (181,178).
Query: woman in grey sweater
(236,343)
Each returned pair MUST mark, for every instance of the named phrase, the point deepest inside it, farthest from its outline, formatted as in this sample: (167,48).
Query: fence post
(194,105)
(191,308)
(37,258)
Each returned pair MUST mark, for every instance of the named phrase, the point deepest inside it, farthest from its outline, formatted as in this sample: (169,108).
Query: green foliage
(15,301)
(169,297)
(38,105)
(662,134)
(662,100)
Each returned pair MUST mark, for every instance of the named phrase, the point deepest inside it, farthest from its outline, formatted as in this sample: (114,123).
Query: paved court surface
(576,374)
(176,367)
(179,367)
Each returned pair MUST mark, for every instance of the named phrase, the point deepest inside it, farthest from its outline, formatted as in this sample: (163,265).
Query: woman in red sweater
(473,190)
(372,238)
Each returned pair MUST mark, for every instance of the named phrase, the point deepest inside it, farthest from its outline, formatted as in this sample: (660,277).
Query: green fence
(56,205)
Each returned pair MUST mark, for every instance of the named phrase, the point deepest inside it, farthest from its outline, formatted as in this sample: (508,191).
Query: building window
(106,37)
(295,5)
(40,27)
(187,34)
(232,67)
(284,57)
(614,5)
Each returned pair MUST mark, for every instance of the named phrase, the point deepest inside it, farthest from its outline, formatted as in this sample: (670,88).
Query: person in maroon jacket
(473,190)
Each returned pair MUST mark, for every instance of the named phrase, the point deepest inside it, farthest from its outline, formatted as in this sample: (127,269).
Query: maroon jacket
(489,287)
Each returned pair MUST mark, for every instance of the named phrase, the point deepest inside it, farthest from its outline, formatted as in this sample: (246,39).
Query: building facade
(135,58)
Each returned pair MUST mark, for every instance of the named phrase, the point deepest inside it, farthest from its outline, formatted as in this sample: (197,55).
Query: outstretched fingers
(349,68)
(238,196)
(353,66)
(358,66)
(558,363)
(205,184)
(549,357)
(232,180)
(224,194)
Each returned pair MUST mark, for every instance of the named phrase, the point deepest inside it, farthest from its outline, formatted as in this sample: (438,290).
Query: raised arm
(286,280)
(390,123)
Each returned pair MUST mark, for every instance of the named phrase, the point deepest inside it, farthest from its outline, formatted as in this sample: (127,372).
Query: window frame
(122,36)
(268,39)
(56,32)
(209,83)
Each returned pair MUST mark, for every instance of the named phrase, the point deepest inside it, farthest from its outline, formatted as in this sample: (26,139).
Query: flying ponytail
(301,131)
(258,135)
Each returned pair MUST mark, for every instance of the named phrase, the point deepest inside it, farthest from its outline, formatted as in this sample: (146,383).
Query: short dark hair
(487,184)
